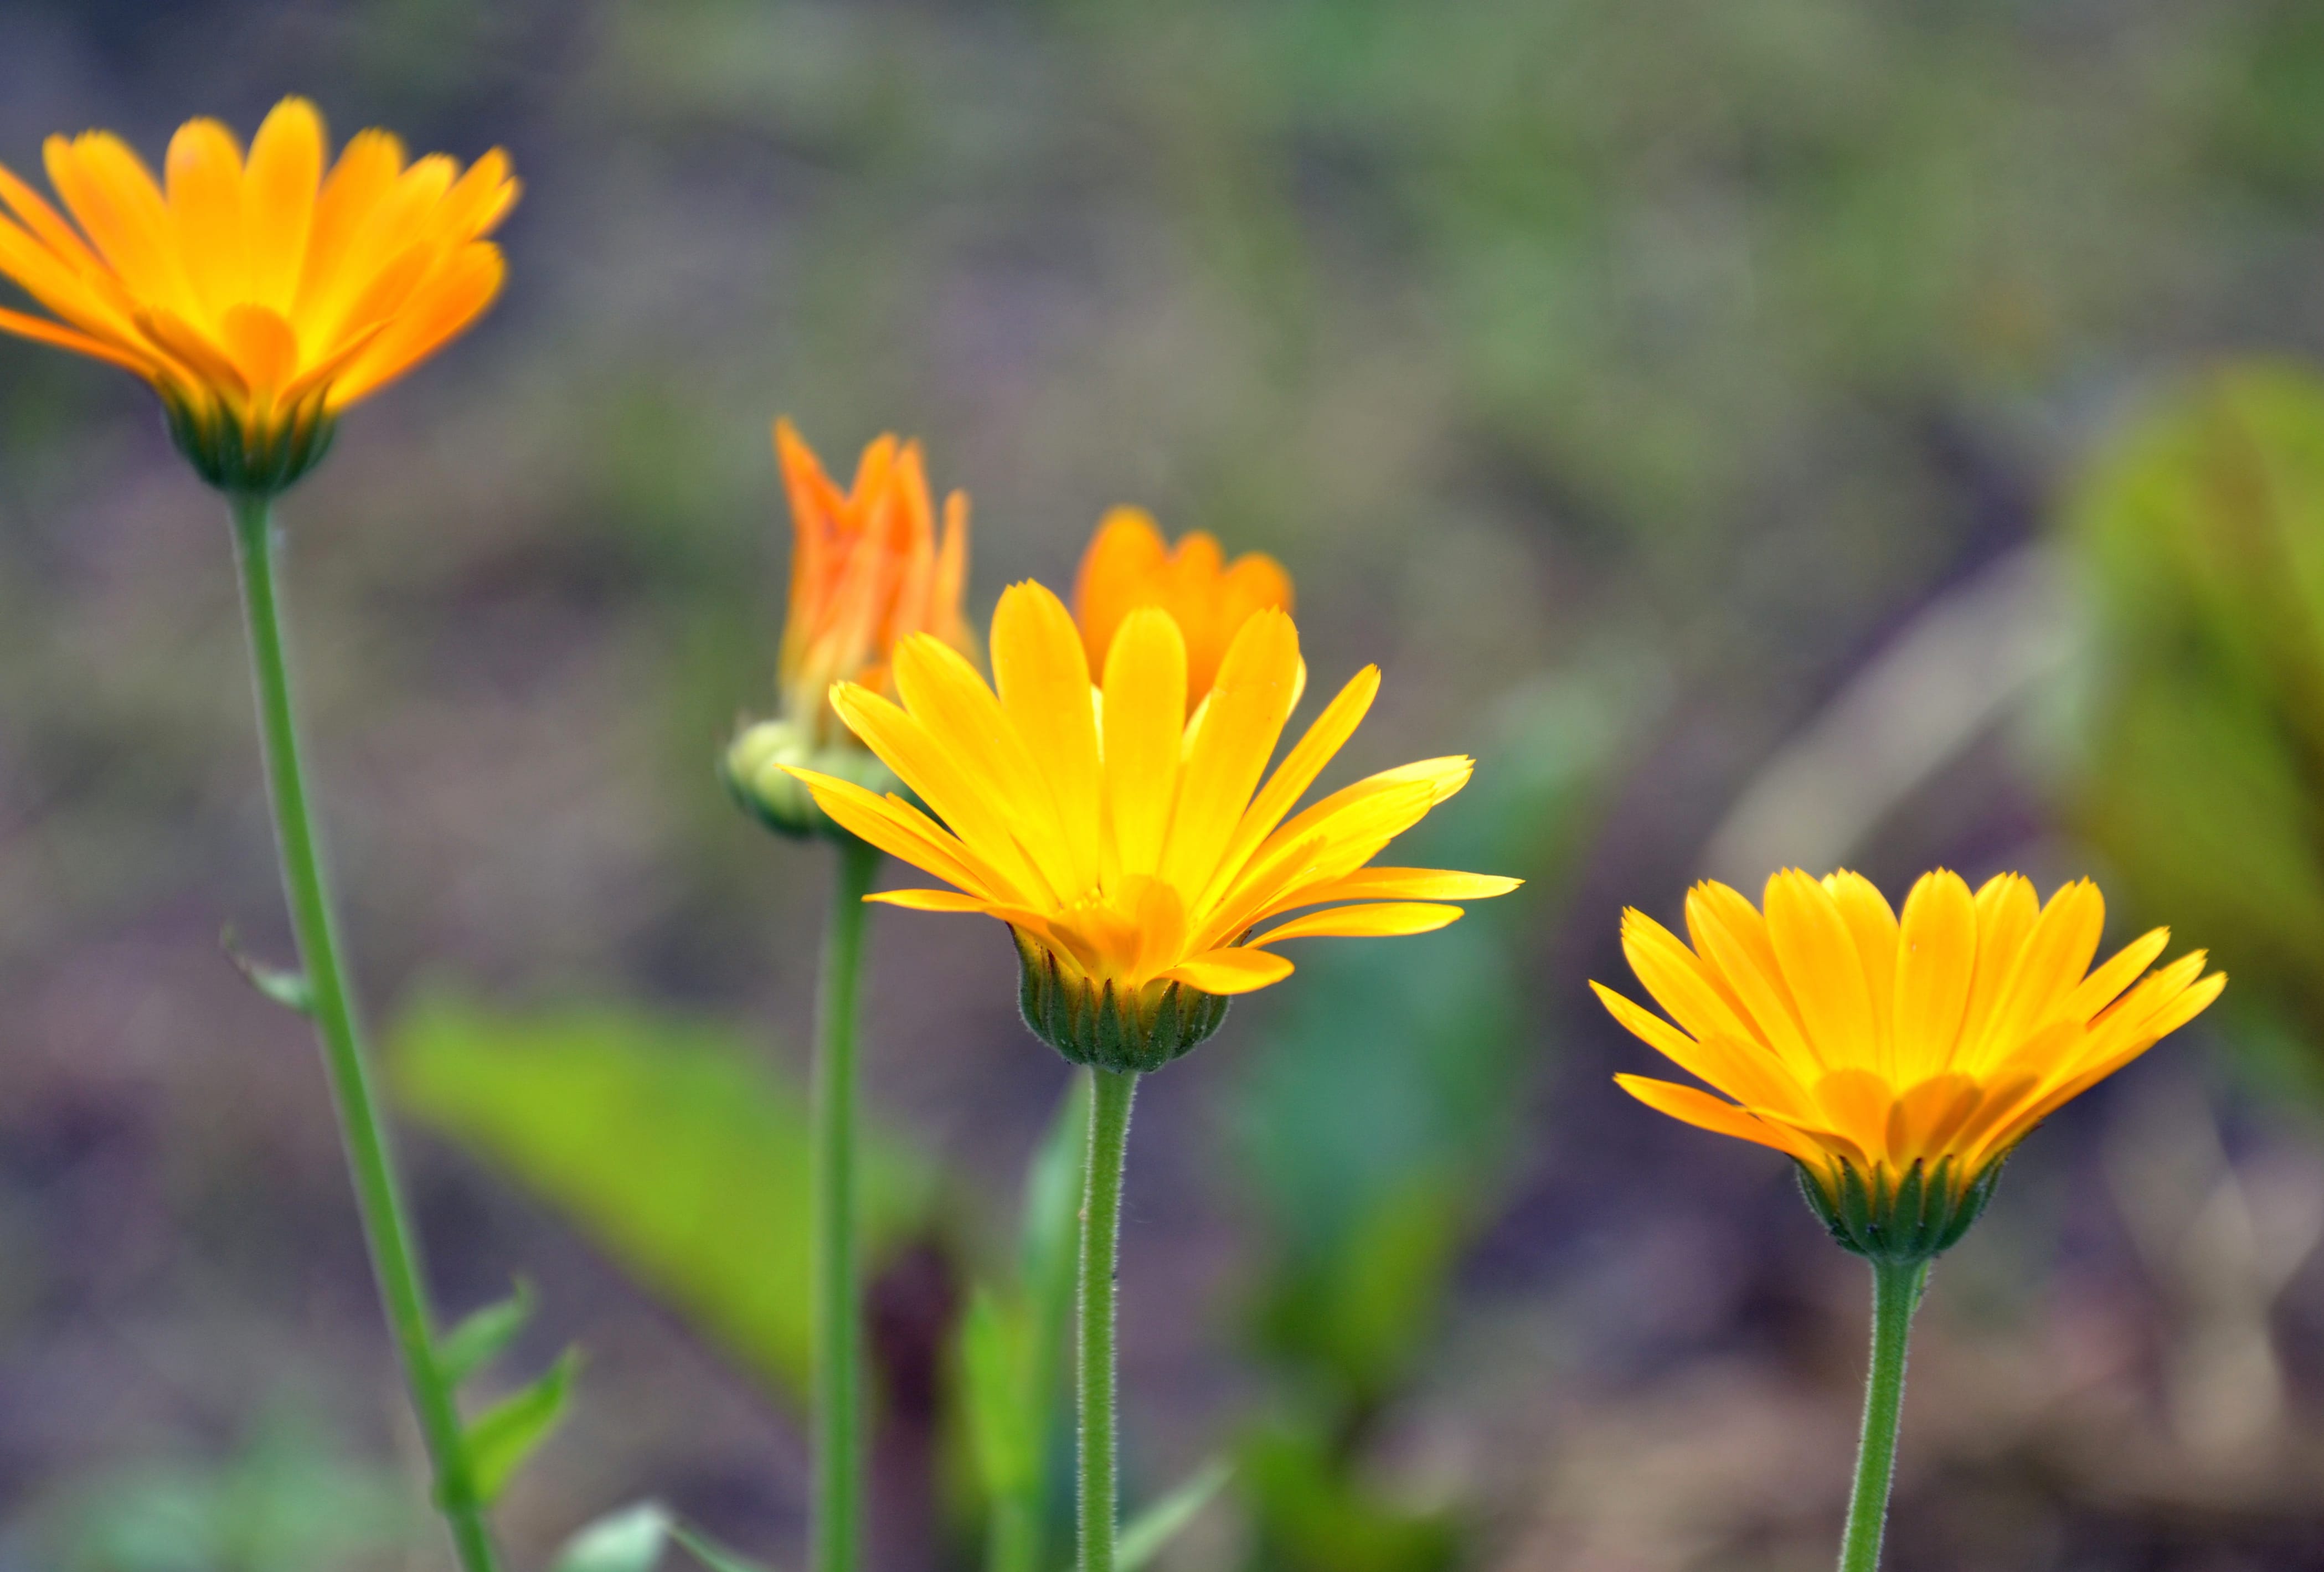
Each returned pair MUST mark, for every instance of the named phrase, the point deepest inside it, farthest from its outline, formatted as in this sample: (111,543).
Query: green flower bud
(753,769)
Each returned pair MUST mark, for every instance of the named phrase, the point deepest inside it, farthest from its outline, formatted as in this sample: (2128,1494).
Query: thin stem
(1109,1142)
(839,1333)
(1895,1294)
(379,1198)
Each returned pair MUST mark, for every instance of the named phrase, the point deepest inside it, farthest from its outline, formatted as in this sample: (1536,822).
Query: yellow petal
(1300,766)
(366,172)
(1744,1071)
(1708,1112)
(1230,971)
(203,170)
(1044,685)
(1414,885)
(279,192)
(1145,707)
(1822,970)
(1247,708)
(1383,920)
(1936,956)
(931,901)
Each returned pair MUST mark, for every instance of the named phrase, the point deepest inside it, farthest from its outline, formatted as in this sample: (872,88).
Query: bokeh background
(1881,434)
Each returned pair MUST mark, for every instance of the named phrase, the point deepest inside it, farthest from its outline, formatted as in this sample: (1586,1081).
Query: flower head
(1899,1061)
(868,569)
(1127,565)
(1134,851)
(260,295)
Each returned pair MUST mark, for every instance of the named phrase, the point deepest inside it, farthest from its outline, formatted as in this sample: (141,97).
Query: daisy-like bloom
(1136,854)
(869,567)
(1128,566)
(1898,1059)
(260,296)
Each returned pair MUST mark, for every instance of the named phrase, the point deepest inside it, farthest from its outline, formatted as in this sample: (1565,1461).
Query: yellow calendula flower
(260,295)
(1898,1059)
(1128,566)
(1134,852)
(869,567)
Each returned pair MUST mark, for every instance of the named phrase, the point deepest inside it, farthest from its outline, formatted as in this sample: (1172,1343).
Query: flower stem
(1895,1294)
(838,1335)
(387,1229)
(1109,1140)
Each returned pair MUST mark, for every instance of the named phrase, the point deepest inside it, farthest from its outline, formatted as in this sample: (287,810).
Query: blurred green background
(1787,430)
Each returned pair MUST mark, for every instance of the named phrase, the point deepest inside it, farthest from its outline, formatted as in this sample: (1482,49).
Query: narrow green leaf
(482,1336)
(711,1553)
(286,988)
(505,1434)
(629,1540)
(1143,1537)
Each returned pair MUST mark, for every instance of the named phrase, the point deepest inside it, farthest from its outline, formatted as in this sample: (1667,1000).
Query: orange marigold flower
(1135,852)
(1898,1059)
(259,296)
(1128,566)
(869,567)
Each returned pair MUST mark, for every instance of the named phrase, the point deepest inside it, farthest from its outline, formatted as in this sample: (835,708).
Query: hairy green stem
(1895,1295)
(839,1449)
(1109,1142)
(379,1196)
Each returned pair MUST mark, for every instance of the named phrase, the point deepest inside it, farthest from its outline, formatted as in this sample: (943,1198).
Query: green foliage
(1319,1517)
(1145,1535)
(484,1335)
(1015,1346)
(292,1500)
(504,1435)
(1378,1122)
(667,1142)
(2201,527)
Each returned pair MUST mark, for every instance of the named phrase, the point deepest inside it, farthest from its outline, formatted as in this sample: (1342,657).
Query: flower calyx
(1899,1220)
(1094,1023)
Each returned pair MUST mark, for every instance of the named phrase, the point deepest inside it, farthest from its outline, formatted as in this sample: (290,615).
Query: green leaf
(668,1142)
(629,1540)
(2200,530)
(1144,1536)
(286,988)
(1004,1439)
(482,1336)
(711,1553)
(504,1435)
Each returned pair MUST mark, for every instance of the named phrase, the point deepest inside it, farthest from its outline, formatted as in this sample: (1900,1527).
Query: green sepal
(262,464)
(1095,1025)
(1902,1221)
(482,1336)
(504,1435)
